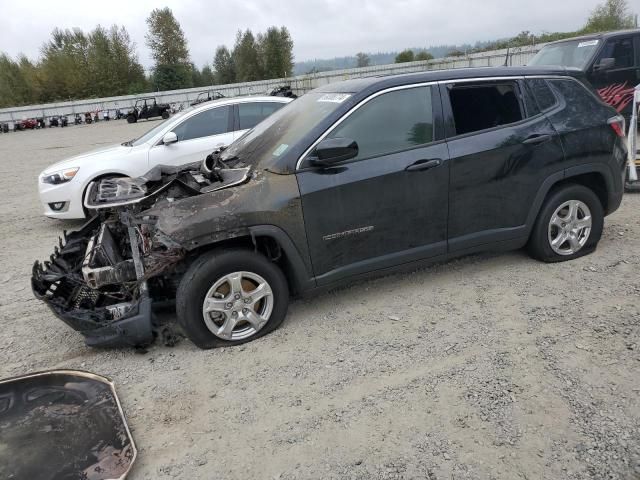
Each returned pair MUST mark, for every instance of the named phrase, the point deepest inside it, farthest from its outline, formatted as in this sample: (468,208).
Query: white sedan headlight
(61,176)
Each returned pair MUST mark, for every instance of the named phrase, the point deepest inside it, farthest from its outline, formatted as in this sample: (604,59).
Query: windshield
(574,53)
(155,130)
(271,138)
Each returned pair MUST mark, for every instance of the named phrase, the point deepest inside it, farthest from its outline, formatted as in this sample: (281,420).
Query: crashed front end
(103,279)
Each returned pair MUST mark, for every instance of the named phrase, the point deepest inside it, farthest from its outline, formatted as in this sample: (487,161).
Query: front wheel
(165,115)
(131,119)
(568,226)
(231,297)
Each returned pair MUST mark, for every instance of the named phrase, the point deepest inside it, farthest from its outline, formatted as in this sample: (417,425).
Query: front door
(389,204)
(198,136)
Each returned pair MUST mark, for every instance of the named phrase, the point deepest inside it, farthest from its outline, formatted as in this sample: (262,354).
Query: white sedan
(187,137)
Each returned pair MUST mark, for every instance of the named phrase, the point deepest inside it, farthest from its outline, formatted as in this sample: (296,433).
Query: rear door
(501,149)
(249,114)
(389,204)
(198,136)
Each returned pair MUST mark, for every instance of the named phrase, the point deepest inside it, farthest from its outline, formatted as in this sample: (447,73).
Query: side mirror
(605,64)
(170,137)
(334,150)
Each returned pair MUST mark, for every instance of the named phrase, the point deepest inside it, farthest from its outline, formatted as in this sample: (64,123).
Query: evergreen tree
(362,60)
(169,50)
(246,58)
(405,56)
(225,70)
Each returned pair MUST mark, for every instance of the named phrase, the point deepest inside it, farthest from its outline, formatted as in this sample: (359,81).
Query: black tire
(201,276)
(165,114)
(539,246)
(131,119)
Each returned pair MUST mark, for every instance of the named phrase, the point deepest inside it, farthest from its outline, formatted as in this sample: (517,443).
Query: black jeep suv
(352,179)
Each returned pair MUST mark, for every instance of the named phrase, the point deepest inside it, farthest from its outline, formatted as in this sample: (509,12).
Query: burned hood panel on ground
(63,425)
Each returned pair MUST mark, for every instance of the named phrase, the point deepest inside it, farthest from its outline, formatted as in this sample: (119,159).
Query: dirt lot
(489,367)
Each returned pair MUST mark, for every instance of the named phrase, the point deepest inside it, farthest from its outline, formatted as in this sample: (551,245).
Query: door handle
(536,139)
(424,165)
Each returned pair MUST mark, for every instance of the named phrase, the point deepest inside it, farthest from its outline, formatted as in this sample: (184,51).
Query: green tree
(207,76)
(405,56)
(423,55)
(275,52)
(169,49)
(456,53)
(246,57)
(225,70)
(611,15)
(362,59)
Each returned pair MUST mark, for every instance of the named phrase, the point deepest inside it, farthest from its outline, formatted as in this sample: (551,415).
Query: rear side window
(252,114)
(482,106)
(389,123)
(575,94)
(210,122)
(543,94)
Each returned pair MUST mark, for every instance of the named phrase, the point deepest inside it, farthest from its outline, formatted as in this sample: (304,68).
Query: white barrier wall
(300,84)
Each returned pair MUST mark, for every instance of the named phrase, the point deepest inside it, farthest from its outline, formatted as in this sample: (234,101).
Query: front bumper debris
(96,280)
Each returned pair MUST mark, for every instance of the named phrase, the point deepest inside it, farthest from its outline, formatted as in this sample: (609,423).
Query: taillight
(618,125)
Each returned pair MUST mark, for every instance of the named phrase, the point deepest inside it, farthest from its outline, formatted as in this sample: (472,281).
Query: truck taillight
(618,125)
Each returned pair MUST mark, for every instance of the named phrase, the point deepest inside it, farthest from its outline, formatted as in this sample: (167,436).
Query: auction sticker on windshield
(334,97)
(590,43)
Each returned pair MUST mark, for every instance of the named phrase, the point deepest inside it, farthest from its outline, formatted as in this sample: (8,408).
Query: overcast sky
(320,28)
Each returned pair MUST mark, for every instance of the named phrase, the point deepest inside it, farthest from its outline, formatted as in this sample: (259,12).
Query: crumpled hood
(98,154)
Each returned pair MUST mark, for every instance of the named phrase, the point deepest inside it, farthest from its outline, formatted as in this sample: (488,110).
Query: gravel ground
(488,367)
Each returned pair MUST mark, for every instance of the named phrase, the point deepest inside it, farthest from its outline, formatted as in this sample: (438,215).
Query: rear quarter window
(542,93)
(581,108)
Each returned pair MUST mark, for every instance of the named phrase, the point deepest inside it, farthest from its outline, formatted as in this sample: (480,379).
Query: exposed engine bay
(99,278)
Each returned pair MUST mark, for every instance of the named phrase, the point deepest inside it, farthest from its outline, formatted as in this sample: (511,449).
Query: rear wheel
(568,226)
(231,297)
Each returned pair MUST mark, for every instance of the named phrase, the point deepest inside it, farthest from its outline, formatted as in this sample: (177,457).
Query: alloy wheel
(238,305)
(569,227)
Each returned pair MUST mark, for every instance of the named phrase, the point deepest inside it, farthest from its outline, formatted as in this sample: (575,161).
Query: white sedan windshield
(156,129)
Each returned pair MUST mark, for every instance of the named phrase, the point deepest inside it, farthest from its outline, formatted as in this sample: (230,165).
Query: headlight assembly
(61,176)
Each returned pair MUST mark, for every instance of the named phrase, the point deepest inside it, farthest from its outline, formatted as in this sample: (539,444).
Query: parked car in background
(146,108)
(610,62)
(350,180)
(186,137)
(27,124)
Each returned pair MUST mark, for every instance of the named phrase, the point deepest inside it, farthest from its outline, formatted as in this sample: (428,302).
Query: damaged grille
(99,274)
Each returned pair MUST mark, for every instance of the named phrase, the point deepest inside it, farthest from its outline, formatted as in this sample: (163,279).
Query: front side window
(389,123)
(482,106)
(251,114)
(210,122)
(621,50)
